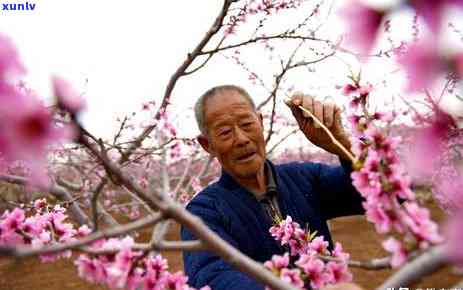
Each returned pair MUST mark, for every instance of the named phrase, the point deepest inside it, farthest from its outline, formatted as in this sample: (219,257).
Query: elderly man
(252,191)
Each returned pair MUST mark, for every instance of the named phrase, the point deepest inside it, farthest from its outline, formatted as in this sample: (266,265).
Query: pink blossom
(314,269)
(338,272)
(362,23)
(429,142)
(83,230)
(399,254)
(33,226)
(68,98)
(155,266)
(293,277)
(135,279)
(361,180)
(338,252)
(431,11)
(448,188)
(277,262)
(11,238)
(349,89)
(319,245)
(9,59)
(27,130)
(91,269)
(39,204)
(290,233)
(376,214)
(365,90)
(47,258)
(176,281)
(421,64)
(152,283)
(420,223)
(26,126)
(13,220)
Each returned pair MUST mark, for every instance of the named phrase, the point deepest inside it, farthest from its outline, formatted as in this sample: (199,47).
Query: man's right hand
(328,114)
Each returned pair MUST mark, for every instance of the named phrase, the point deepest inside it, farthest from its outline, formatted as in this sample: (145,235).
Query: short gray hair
(215,91)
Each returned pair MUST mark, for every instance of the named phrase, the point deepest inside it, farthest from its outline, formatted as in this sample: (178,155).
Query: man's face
(235,134)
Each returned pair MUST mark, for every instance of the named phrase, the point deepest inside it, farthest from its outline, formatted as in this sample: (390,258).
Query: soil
(355,233)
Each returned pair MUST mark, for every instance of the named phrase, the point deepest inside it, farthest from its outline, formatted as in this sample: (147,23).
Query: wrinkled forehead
(227,99)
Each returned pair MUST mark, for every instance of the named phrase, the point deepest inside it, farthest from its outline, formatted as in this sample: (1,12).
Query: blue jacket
(311,193)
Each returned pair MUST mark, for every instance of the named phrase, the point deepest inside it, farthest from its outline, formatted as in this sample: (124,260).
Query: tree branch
(179,73)
(57,191)
(260,38)
(374,264)
(107,233)
(427,263)
(213,242)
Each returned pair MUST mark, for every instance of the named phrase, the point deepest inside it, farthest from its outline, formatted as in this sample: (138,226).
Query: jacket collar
(230,183)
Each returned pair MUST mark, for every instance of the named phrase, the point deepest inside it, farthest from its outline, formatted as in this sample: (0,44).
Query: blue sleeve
(205,268)
(338,197)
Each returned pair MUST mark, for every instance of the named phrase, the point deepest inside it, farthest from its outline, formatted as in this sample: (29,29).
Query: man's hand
(328,114)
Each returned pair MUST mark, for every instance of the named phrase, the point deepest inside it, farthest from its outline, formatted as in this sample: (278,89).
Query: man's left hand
(328,114)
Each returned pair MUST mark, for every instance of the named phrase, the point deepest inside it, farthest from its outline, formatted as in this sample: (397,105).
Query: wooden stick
(333,139)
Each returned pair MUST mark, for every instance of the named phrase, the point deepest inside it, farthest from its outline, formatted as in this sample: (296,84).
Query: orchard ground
(357,236)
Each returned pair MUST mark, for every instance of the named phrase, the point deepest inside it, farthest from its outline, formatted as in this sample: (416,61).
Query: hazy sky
(126,50)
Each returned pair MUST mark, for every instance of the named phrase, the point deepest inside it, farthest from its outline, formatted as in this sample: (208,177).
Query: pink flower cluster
(422,61)
(307,251)
(112,261)
(382,181)
(124,268)
(363,24)
(46,226)
(447,174)
(26,125)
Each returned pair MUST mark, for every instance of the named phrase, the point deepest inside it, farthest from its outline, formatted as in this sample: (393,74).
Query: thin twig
(373,264)
(161,246)
(178,74)
(425,264)
(281,140)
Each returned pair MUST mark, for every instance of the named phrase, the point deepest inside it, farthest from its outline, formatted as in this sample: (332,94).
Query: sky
(121,54)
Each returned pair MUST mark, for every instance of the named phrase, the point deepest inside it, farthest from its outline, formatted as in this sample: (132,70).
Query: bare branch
(264,38)
(95,195)
(179,73)
(373,264)
(205,62)
(68,185)
(121,128)
(427,263)
(183,177)
(304,63)
(282,140)
(161,246)
(273,95)
(211,240)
